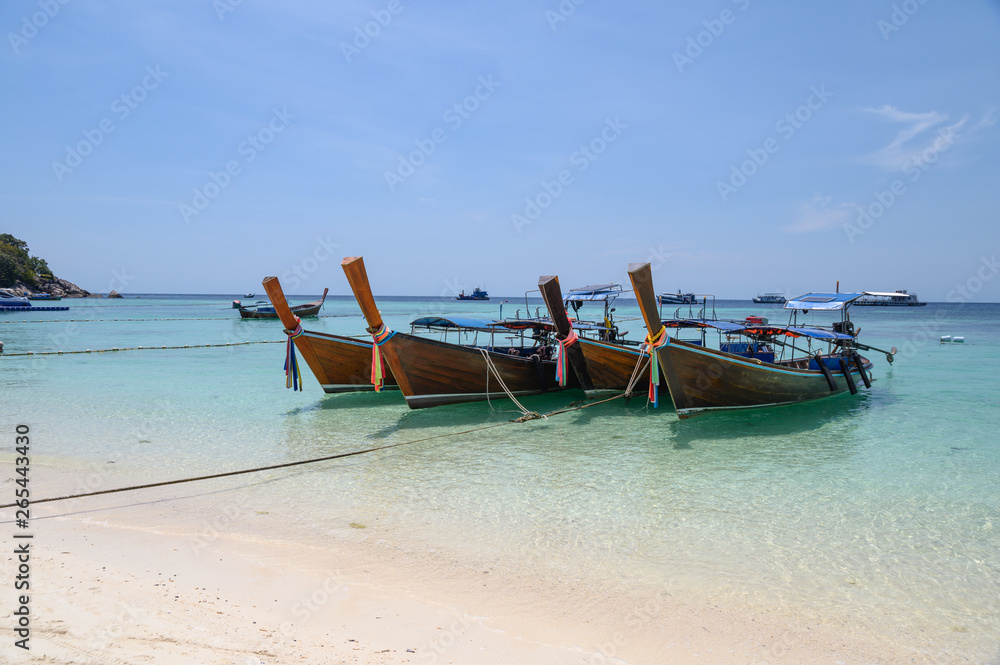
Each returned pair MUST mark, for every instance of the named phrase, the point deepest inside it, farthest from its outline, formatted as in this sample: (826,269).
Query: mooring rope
(138,348)
(201,318)
(533,416)
(258,469)
(640,367)
(167,318)
(525,413)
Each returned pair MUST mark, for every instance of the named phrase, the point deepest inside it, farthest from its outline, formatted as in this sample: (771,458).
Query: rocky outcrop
(56,287)
(115,294)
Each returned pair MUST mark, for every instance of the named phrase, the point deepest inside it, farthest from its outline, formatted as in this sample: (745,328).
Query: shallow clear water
(878,512)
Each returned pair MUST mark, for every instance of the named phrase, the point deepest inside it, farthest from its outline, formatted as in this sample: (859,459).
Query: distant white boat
(887,299)
(770,298)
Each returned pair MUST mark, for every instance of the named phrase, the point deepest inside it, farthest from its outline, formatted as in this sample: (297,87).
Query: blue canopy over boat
(594,292)
(829,302)
(744,328)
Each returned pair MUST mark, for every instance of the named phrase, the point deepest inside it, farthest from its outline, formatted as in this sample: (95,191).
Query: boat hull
(702,379)
(311,309)
(611,365)
(433,373)
(340,364)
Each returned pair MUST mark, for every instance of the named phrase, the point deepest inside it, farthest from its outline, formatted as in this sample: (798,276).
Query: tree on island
(17,265)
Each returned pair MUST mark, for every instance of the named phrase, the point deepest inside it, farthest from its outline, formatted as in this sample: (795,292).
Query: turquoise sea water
(878,512)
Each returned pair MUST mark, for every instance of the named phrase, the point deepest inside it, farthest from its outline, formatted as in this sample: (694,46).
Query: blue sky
(741,146)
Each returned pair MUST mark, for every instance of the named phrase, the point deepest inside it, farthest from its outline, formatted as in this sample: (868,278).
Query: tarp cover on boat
(823,301)
(453,322)
(743,328)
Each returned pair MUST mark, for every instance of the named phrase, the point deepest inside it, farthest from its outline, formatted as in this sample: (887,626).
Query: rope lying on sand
(315,460)
(137,348)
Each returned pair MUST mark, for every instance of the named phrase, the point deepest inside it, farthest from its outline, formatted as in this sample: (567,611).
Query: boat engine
(844,327)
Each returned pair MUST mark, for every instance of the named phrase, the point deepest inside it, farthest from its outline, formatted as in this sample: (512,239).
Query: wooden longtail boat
(340,364)
(703,379)
(431,372)
(599,364)
(265,311)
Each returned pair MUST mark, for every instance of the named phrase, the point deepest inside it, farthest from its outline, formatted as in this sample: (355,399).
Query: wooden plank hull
(432,373)
(611,365)
(309,309)
(702,379)
(340,364)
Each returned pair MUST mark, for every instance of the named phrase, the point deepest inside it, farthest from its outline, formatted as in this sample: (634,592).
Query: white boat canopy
(830,302)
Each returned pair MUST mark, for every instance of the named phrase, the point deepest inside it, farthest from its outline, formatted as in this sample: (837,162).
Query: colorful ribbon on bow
(292,375)
(653,342)
(561,359)
(378,364)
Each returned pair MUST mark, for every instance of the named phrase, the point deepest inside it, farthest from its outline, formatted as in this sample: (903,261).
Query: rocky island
(24,274)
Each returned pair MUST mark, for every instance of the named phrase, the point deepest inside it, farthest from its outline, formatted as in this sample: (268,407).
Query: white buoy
(945,339)
(958,340)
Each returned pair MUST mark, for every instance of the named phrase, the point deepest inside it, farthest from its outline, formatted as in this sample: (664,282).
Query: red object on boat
(756,320)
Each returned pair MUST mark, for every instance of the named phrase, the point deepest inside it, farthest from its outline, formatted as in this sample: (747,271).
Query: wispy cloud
(916,137)
(817,215)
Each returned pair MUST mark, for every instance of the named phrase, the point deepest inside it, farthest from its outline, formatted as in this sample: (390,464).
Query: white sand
(156,577)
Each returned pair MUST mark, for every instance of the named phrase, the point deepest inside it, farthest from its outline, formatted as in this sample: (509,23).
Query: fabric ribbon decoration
(292,375)
(653,342)
(378,364)
(561,359)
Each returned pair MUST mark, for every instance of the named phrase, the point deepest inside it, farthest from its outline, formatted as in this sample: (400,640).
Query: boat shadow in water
(789,420)
(777,423)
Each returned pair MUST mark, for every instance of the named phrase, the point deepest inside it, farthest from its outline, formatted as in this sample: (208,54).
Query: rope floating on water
(137,348)
(169,318)
(258,469)
(531,415)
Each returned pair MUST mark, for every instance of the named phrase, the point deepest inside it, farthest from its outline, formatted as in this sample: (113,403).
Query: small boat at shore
(9,302)
(266,310)
(44,296)
(8,299)
(477,294)
(746,371)
(431,372)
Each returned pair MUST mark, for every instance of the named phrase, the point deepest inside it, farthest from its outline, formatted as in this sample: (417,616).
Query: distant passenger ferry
(477,294)
(885,299)
(770,298)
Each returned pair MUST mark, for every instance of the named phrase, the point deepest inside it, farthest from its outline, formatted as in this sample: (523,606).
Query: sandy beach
(206,574)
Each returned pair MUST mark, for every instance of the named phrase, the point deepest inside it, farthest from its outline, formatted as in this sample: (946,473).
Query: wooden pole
(357,276)
(552,294)
(273,288)
(642,285)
